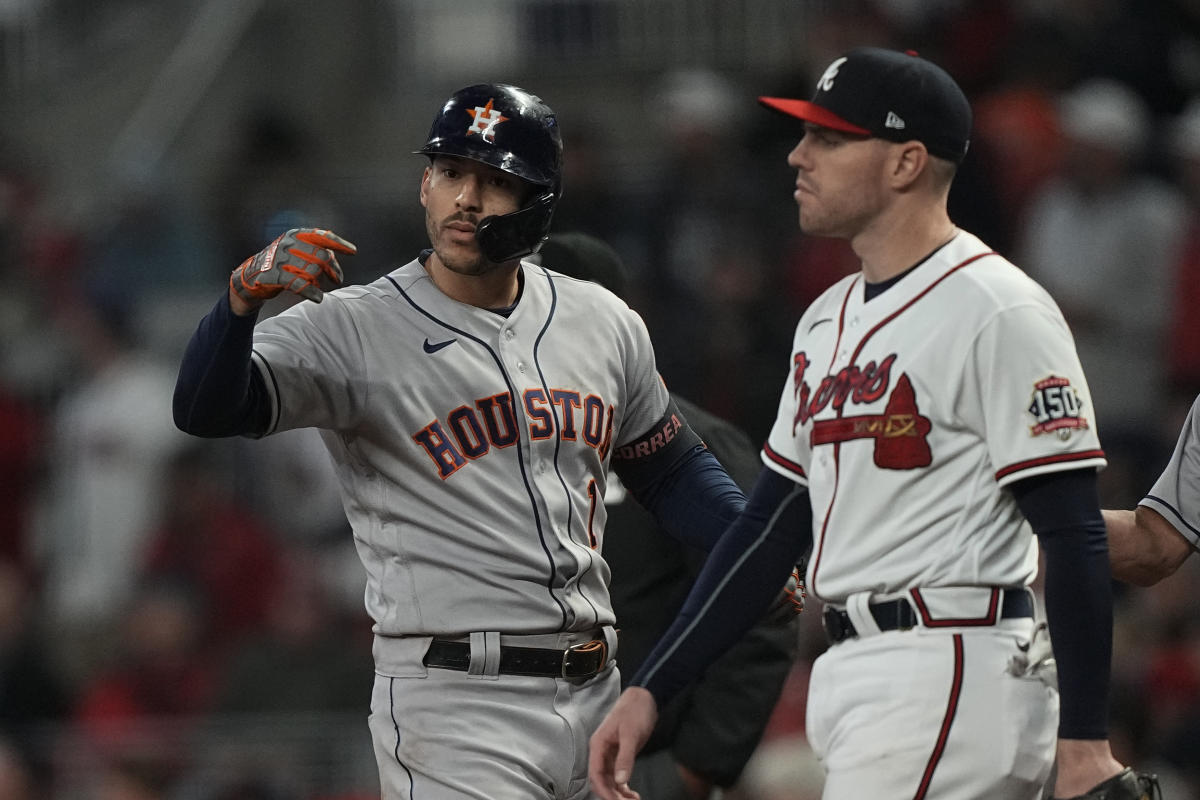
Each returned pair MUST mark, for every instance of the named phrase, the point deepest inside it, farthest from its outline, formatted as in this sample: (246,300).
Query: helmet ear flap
(516,235)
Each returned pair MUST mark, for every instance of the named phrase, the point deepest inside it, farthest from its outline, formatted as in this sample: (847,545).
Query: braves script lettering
(900,432)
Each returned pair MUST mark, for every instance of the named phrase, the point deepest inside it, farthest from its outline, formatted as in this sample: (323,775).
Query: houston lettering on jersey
(900,432)
(471,431)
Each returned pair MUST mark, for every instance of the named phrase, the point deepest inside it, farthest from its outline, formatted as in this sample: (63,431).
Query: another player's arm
(1063,509)
(739,580)
(1143,547)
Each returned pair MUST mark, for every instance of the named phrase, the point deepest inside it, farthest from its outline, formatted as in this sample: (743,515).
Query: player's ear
(909,161)
(425,185)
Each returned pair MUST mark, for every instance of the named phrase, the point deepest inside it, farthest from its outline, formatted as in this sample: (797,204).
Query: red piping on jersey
(987,619)
(819,547)
(787,464)
(1056,459)
(947,721)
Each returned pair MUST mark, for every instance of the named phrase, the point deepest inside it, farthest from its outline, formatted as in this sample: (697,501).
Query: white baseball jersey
(905,417)
(1176,493)
(471,447)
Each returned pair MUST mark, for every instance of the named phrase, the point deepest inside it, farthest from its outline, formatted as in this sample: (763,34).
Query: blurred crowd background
(183,618)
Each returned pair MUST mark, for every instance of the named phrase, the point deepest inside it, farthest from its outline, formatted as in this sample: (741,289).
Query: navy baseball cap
(892,95)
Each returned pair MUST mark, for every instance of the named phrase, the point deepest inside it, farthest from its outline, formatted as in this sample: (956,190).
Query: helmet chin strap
(521,233)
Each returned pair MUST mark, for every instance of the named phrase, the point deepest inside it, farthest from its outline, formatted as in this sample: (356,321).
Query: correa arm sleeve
(1064,510)
(745,571)
(218,392)
(683,485)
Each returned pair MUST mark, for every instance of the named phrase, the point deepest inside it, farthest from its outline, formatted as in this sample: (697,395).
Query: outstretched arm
(1143,548)
(740,578)
(217,392)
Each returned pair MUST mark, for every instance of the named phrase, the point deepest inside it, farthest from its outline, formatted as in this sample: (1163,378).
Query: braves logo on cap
(826,82)
(484,121)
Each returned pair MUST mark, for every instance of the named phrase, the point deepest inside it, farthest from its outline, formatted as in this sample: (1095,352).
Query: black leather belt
(582,660)
(900,615)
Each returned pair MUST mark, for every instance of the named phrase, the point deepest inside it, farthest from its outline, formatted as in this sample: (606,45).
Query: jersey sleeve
(311,361)
(1026,393)
(1176,493)
(784,452)
(647,393)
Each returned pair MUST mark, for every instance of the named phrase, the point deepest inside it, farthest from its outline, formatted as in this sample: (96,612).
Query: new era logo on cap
(889,95)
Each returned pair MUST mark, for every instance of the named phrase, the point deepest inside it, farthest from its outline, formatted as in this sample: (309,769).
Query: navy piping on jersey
(947,721)
(537,519)
(537,343)
(1178,517)
(278,403)
(396,726)
(819,545)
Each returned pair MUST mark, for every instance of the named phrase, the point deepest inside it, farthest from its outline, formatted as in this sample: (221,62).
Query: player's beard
(459,257)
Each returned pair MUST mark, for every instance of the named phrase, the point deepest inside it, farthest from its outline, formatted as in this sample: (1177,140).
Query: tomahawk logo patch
(1056,408)
(484,121)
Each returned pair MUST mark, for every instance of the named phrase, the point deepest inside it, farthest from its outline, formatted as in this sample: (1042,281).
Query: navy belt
(582,660)
(900,615)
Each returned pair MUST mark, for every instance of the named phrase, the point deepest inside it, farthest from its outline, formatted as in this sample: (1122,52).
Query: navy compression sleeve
(682,484)
(1064,511)
(745,571)
(217,392)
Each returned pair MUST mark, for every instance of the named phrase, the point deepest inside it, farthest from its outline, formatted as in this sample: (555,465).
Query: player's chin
(464,260)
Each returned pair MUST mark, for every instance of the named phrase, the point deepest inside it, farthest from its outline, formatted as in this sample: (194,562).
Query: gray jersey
(1176,493)
(471,447)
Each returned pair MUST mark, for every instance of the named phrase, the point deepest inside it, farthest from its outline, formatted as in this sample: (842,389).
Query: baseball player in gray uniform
(933,413)
(472,403)
(1151,542)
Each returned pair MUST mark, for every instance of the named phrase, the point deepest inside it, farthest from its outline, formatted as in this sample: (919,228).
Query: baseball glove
(301,261)
(1125,785)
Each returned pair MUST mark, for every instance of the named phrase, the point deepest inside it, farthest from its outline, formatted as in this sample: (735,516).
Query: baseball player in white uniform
(1151,542)
(472,403)
(934,411)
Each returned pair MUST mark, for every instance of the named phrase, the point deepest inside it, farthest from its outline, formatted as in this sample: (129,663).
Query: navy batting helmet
(512,130)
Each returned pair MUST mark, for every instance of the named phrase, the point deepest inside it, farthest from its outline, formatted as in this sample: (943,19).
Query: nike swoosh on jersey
(433,348)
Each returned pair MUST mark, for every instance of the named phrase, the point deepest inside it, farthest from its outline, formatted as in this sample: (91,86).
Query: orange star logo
(485,120)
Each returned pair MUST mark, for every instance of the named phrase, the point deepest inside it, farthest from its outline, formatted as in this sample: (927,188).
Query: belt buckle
(589,648)
(835,627)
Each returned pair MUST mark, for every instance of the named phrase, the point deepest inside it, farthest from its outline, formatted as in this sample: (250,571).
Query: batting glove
(301,261)
(790,601)
(1125,785)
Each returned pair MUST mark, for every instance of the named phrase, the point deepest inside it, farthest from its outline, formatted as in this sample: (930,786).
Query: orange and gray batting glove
(301,261)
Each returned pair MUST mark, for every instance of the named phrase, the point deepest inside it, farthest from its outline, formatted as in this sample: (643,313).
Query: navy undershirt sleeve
(680,482)
(1064,510)
(692,498)
(743,574)
(218,392)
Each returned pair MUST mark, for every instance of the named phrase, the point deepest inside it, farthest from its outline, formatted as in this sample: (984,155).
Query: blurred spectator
(1183,337)
(305,658)
(30,691)
(209,542)
(1101,237)
(112,437)
(21,432)
(17,776)
(711,242)
(159,672)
